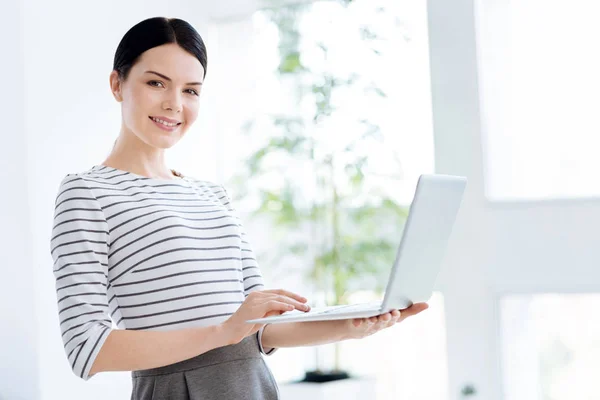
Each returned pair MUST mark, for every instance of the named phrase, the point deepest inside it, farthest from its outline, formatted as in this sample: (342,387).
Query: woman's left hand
(359,328)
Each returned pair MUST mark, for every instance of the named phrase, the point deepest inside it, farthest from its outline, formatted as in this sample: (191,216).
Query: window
(540,71)
(250,90)
(550,346)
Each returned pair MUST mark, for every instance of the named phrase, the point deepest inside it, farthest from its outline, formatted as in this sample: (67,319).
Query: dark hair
(154,32)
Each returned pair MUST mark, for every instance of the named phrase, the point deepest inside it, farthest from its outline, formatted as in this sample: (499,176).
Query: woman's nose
(174,102)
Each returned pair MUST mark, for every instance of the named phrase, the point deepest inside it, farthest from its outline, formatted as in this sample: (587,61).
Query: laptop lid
(426,233)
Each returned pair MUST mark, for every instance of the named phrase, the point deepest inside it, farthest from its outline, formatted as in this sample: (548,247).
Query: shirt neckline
(179,176)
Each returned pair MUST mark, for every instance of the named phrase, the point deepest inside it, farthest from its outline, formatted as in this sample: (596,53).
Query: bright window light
(548,145)
(407,358)
(550,346)
(247,66)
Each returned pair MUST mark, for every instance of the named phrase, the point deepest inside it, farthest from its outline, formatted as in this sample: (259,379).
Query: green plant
(353,225)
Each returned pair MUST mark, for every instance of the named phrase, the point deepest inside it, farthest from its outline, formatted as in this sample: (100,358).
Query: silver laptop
(420,254)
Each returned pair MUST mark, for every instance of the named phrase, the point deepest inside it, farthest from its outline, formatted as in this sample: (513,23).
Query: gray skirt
(230,372)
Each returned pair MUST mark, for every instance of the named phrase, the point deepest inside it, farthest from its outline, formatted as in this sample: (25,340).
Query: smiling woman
(163,255)
(160,254)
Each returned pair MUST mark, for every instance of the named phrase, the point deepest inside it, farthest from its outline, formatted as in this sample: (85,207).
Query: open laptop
(420,254)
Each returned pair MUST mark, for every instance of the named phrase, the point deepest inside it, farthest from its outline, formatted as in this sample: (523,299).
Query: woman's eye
(151,83)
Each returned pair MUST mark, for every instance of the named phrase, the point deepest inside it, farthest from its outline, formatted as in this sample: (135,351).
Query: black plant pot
(322,377)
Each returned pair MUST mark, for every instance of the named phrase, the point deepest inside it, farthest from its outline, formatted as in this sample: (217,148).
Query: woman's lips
(164,127)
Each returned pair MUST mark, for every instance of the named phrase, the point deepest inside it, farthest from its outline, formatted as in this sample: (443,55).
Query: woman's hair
(154,32)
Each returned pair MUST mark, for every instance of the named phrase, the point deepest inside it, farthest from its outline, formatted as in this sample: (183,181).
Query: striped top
(146,254)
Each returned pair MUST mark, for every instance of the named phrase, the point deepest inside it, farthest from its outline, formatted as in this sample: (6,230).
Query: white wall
(463,281)
(17,314)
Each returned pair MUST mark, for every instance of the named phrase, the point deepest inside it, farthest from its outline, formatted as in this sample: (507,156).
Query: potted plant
(347,221)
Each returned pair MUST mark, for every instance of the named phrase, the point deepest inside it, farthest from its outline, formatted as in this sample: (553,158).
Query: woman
(163,255)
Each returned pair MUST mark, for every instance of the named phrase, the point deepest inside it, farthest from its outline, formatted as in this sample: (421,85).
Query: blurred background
(321,111)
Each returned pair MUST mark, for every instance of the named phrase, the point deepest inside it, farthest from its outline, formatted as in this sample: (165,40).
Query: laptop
(419,257)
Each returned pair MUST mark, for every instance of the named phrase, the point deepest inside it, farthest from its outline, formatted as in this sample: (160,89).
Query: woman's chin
(163,141)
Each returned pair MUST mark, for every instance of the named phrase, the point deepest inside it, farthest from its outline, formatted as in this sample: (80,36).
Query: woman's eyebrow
(169,79)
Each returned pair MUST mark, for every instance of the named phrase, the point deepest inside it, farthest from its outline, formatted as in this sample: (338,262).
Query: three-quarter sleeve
(79,248)
(253,279)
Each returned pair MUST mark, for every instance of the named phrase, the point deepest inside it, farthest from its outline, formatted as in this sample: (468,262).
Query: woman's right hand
(261,304)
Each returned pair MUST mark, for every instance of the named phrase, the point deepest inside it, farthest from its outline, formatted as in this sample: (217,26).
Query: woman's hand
(261,304)
(359,328)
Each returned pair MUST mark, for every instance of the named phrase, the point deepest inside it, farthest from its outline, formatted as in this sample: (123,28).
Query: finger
(395,317)
(285,299)
(385,317)
(413,310)
(288,294)
(357,322)
(416,308)
(274,305)
(373,320)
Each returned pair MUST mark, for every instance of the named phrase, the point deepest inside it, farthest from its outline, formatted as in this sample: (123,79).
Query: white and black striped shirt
(148,254)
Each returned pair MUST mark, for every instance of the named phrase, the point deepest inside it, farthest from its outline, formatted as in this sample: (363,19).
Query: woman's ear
(115,86)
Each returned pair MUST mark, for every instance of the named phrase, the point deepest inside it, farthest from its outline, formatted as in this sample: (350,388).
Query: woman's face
(174,95)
